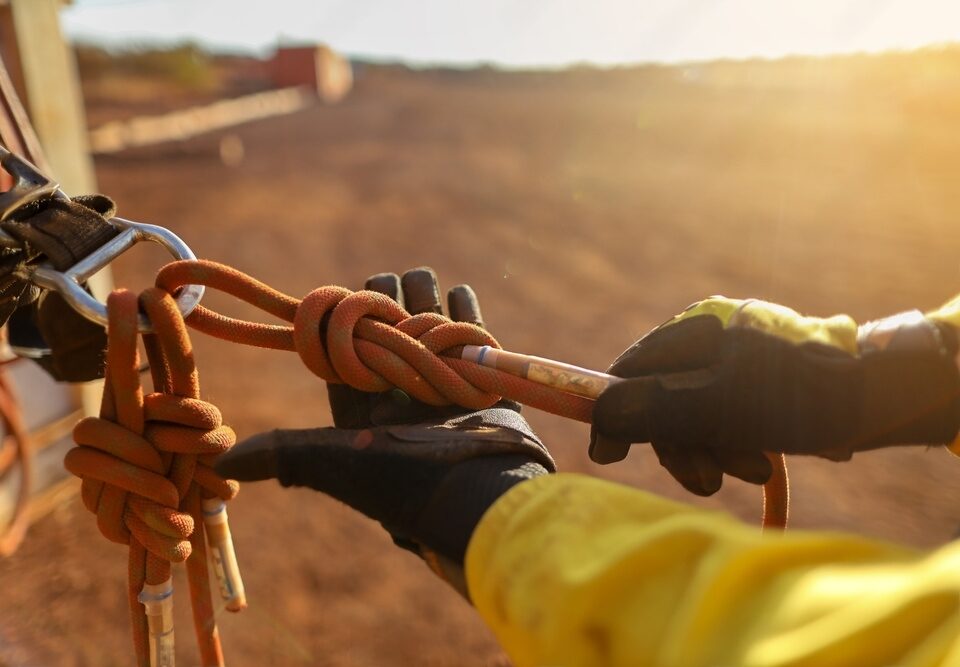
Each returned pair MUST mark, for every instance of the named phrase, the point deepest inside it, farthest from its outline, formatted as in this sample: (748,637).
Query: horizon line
(152,43)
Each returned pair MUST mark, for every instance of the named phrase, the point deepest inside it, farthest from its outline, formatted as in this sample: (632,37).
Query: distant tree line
(186,65)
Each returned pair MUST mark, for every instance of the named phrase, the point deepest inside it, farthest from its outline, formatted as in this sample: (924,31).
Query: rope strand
(146,461)
(373,344)
(145,465)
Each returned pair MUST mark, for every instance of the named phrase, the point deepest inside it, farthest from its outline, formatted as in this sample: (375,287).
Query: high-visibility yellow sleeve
(572,570)
(948,312)
(839,331)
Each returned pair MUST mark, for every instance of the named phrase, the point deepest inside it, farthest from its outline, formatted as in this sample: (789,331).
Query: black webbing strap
(64,231)
(61,232)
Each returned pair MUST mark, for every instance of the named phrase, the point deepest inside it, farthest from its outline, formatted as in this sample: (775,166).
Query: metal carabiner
(31,185)
(69,283)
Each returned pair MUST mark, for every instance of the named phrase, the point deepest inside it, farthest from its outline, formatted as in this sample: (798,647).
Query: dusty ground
(584,209)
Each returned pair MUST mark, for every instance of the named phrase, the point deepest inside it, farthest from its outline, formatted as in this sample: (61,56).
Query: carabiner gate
(69,283)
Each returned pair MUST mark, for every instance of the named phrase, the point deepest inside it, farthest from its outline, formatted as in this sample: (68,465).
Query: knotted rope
(365,339)
(145,464)
(145,461)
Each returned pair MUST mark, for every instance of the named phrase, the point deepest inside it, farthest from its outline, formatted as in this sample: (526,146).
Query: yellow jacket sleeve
(572,570)
(948,312)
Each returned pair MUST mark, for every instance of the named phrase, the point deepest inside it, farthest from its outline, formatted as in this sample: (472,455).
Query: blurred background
(590,169)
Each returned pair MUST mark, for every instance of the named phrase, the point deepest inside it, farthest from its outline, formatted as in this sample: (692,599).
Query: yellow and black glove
(726,380)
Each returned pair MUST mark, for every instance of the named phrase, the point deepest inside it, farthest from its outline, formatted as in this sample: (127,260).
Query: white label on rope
(216,560)
(162,652)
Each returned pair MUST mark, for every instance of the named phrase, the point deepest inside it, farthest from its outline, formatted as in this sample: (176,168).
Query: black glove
(727,380)
(419,292)
(427,483)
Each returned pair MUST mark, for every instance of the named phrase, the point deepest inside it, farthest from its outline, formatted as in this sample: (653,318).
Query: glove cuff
(909,330)
(914,367)
(463,496)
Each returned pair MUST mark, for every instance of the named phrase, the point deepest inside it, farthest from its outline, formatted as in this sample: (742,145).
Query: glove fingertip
(751,467)
(463,305)
(605,450)
(694,469)
(252,460)
(622,410)
(386,283)
(421,291)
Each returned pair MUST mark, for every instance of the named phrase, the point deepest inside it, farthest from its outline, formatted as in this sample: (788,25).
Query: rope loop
(366,340)
(145,462)
(125,469)
(373,344)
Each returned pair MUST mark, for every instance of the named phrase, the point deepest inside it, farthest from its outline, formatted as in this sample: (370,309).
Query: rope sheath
(145,461)
(373,344)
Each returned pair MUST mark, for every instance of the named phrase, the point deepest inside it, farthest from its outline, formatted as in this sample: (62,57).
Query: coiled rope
(145,464)
(373,344)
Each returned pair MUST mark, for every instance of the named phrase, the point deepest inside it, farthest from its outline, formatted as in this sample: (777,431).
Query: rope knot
(125,472)
(146,463)
(365,339)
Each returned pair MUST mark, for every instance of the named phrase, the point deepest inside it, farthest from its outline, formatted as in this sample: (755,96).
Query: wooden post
(43,70)
(53,97)
(53,92)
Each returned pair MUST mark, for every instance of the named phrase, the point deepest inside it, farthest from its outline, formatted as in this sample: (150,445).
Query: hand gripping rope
(146,461)
(373,344)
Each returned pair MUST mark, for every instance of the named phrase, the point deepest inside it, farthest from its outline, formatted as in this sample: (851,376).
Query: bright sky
(529,32)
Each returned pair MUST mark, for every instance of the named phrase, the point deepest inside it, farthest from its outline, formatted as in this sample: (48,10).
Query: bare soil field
(585,208)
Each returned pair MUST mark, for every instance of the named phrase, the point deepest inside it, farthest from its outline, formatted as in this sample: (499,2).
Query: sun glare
(550,33)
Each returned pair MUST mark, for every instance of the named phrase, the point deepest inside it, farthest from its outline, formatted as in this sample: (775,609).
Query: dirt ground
(584,208)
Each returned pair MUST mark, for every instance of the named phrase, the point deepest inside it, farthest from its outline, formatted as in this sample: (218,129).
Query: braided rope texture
(365,339)
(371,343)
(146,460)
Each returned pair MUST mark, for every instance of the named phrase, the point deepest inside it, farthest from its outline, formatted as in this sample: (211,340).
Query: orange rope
(776,494)
(16,449)
(145,462)
(373,344)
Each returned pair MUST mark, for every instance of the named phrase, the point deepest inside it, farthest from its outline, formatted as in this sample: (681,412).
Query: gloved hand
(428,483)
(419,292)
(726,380)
